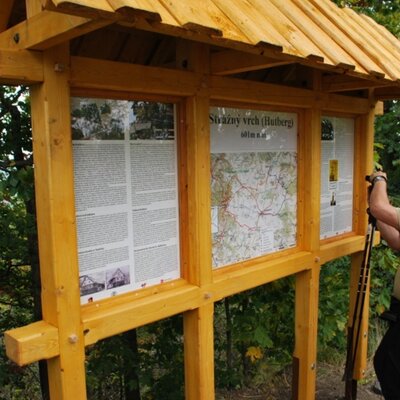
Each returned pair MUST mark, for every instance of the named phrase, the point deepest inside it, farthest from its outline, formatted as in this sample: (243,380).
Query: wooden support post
(306,317)
(56,224)
(33,7)
(198,324)
(199,353)
(307,282)
(5,12)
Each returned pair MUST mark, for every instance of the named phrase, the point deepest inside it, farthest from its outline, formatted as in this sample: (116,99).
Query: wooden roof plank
(323,20)
(315,33)
(250,22)
(5,13)
(352,35)
(391,39)
(288,30)
(372,47)
(194,15)
(388,44)
(166,17)
(139,8)
(80,5)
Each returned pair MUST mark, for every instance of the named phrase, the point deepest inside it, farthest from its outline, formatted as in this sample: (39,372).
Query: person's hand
(376,174)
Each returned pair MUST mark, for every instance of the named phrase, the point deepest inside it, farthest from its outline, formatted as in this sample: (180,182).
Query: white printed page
(126,195)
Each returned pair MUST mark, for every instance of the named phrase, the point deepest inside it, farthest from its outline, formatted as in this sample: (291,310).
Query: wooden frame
(62,335)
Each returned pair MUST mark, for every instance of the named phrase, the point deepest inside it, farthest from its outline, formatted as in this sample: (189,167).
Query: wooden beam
(342,83)
(387,93)
(339,248)
(23,67)
(119,314)
(47,29)
(34,342)
(33,7)
(89,73)
(132,310)
(233,62)
(250,274)
(106,318)
(5,13)
(108,75)
(230,89)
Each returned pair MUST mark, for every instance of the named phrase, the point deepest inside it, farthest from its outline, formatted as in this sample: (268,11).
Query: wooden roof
(314,33)
(314,30)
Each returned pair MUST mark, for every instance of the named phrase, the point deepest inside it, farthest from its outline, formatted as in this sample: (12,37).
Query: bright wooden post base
(199,353)
(305,354)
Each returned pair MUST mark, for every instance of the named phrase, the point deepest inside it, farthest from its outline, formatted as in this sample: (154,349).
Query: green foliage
(254,334)
(161,359)
(333,307)
(384,266)
(105,363)
(334,298)
(17,225)
(387,134)
(154,352)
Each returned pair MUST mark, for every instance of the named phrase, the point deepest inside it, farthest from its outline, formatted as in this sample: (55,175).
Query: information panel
(126,195)
(337,163)
(253,183)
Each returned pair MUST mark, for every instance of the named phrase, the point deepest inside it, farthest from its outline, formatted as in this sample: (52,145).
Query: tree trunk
(131,367)
(228,318)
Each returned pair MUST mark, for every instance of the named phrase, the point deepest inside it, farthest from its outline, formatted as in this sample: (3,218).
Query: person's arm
(390,234)
(385,214)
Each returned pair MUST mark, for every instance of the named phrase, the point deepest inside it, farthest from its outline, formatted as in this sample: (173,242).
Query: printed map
(253,208)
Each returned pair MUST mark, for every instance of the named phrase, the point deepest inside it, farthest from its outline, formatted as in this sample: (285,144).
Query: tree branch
(6,165)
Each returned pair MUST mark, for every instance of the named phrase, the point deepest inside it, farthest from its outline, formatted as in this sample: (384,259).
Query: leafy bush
(333,308)
(254,334)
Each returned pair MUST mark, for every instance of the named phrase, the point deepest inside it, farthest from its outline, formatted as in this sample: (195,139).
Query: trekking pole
(350,383)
